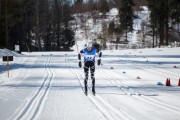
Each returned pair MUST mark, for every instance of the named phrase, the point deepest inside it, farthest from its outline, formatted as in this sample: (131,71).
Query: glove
(80,64)
(100,54)
(79,56)
(99,61)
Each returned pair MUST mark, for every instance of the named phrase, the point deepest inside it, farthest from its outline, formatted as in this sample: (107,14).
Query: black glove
(100,54)
(79,56)
(80,64)
(99,61)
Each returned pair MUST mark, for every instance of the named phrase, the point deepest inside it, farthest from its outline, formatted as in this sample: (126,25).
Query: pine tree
(67,34)
(160,14)
(10,11)
(175,11)
(126,16)
(104,8)
(111,28)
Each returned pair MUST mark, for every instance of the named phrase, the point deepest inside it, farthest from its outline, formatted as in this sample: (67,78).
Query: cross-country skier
(89,53)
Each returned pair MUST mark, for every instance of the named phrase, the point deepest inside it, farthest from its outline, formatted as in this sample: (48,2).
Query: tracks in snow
(160,70)
(109,111)
(35,104)
(129,91)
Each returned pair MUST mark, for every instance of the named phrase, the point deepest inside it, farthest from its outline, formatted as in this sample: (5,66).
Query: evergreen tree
(126,16)
(67,35)
(159,19)
(175,11)
(153,17)
(67,39)
(104,6)
(10,11)
(111,28)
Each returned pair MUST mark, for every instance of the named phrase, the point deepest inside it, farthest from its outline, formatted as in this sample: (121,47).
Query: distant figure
(89,63)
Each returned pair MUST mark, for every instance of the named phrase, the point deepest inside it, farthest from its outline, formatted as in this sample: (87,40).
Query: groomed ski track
(52,87)
(104,107)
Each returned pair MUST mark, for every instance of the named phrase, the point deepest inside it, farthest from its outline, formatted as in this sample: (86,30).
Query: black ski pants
(89,65)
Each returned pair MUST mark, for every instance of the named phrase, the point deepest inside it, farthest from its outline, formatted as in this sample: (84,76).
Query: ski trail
(35,105)
(100,103)
(160,70)
(119,113)
(153,69)
(146,98)
(113,82)
(97,105)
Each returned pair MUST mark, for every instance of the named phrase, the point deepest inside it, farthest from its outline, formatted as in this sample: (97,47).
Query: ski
(94,93)
(85,93)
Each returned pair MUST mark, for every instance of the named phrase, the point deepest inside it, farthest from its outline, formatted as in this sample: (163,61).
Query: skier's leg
(86,70)
(92,77)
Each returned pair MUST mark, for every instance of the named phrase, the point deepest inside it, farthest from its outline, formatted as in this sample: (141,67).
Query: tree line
(164,20)
(36,25)
(46,25)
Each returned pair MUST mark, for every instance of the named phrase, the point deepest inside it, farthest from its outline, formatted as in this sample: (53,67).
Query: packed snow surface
(49,86)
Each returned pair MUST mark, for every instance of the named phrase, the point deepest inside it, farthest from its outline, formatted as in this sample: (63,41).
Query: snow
(49,85)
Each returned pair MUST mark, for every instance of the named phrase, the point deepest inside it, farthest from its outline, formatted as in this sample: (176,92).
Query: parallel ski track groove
(31,109)
(143,97)
(121,114)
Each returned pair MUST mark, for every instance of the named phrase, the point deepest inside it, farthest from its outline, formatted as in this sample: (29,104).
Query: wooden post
(8,59)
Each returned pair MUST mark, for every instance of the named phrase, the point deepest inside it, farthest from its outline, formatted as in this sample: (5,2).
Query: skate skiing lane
(169,107)
(146,98)
(111,101)
(175,109)
(101,104)
(147,72)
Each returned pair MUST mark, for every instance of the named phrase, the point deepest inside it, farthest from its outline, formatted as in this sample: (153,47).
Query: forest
(47,25)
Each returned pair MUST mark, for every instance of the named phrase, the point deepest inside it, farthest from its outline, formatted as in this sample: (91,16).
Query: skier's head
(89,45)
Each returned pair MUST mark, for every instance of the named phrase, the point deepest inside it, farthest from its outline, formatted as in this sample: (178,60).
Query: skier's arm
(99,54)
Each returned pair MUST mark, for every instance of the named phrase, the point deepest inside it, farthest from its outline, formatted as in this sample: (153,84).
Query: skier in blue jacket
(89,63)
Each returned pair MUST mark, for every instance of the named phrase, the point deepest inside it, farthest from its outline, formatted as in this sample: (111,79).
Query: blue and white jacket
(89,55)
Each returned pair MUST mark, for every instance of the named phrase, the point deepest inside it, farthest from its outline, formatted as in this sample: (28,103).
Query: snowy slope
(49,86)
(95,28)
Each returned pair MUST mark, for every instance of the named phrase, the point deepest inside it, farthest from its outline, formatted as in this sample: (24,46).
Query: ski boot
(93,86)
(93,90)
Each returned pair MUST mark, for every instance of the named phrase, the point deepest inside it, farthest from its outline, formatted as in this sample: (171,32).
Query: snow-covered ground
(49,86)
